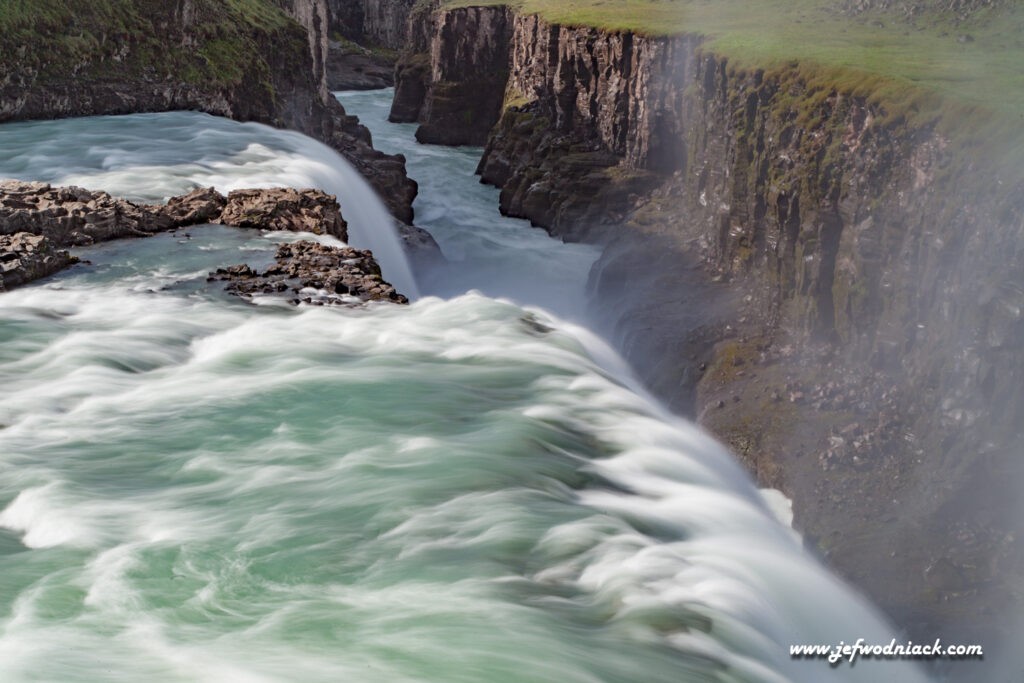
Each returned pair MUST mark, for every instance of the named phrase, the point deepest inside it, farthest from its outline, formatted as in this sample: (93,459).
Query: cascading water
(195,488)
(150,157)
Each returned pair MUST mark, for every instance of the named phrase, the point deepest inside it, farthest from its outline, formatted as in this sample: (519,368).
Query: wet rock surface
(315,274)
(25,257)
(73,216)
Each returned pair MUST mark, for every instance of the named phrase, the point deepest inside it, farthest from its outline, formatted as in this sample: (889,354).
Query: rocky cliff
(380,23)
(829,284)
(452,78)
(260,60)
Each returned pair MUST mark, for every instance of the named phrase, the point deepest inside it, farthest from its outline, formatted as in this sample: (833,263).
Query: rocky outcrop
(314,17)
(453,84)
(284,209)
(314,274)
(25,257)
(36,219)
(213,57)
(72,216)
(593,123)
(385,172)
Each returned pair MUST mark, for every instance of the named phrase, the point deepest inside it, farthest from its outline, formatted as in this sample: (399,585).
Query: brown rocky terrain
(314,274)
(25,257)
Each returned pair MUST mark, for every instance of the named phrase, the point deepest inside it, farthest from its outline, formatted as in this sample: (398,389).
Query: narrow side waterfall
(150,157)
(468,489)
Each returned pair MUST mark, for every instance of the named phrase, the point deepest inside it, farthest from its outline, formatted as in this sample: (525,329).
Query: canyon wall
(380,23)
(831,289)
(451,80)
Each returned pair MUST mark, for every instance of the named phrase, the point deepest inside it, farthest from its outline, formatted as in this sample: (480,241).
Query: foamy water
(466,489)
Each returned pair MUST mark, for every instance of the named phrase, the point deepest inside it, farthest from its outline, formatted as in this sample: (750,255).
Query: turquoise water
(194,488)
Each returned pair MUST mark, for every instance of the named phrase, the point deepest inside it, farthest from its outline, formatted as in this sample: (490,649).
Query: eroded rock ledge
(38,222)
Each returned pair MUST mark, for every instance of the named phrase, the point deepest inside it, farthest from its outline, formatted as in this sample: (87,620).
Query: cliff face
(257,61)
(452,80)
(381,23)
(313,16)
(834,293)
(597,116)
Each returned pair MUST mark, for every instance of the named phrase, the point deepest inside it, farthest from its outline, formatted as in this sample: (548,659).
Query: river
(468,489)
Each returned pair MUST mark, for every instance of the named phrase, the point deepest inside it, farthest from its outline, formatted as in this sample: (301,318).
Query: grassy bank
(971,63)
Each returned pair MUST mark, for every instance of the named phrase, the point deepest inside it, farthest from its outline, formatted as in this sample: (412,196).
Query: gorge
(824,278)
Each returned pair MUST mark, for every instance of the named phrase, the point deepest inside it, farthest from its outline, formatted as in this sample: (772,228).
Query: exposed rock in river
(284,209)
(72,216)
(36,219)
(314,274)
(25,257)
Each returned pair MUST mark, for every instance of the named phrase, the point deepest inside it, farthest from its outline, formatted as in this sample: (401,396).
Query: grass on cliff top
(977,62)
(55,37)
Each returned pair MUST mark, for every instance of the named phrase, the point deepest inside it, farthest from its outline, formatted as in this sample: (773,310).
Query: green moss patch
(132,38)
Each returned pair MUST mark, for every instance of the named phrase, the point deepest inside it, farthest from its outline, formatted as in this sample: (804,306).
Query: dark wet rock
(314,274)
(412,76)
(372,22)
(25,257)
(385,172)
(284,209)
(420,245)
